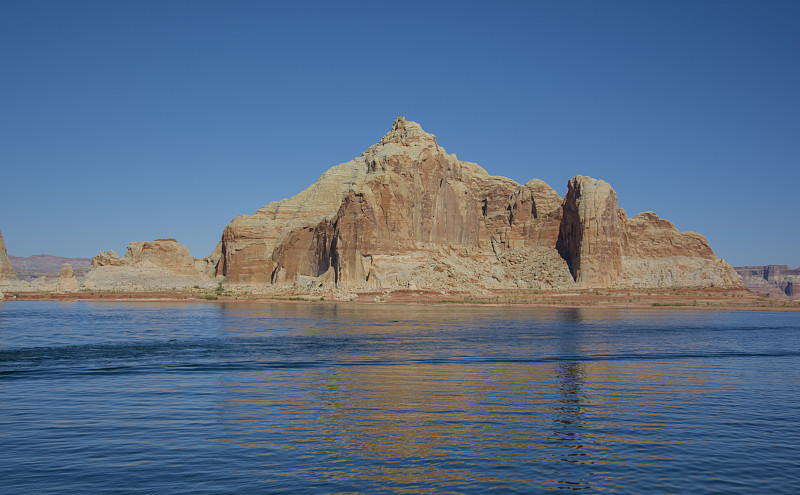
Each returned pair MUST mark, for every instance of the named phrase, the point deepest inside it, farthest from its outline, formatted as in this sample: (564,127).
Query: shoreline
(684,298)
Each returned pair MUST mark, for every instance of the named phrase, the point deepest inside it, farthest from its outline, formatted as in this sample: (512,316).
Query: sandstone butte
(405,214)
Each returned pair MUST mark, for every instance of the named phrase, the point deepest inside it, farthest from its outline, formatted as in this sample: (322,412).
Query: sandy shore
(701,299)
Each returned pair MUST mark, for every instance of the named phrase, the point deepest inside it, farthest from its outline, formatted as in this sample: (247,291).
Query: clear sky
(124,121)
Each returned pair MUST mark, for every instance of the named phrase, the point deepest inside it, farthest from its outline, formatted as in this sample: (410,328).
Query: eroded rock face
(166,254)
(6,270)
(656,254)
(248,242)
(407,213)
(163,263)
(66,280)
(106,258)
(590,232)
(416,202)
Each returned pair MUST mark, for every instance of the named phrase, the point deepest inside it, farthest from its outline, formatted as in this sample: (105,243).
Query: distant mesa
(405,214)
(45,265)
(771,280)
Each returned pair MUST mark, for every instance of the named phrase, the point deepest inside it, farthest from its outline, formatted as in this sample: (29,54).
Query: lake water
(323,398)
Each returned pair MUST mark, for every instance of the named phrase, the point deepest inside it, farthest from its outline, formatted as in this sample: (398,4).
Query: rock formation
(66,280)
(771,280)
(6,270)
(590,233)
(160,264)
(406,213)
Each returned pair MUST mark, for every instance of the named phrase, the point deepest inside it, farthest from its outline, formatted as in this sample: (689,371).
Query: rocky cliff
(6,270)
(771,280)
(405,213)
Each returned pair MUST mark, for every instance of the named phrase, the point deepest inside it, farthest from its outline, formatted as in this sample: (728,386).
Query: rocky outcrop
(656,254)
(6,270)
(159,264)
(106,258)
(407,213)
(605,248)
(66,280)
(771,280)
(590,233)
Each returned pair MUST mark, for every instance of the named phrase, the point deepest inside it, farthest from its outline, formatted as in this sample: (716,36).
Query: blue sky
(123,121)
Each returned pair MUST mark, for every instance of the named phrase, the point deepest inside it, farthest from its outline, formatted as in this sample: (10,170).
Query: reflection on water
(464,425)
(285,398)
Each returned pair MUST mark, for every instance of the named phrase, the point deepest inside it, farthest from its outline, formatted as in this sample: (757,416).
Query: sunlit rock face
(407,214)
(590,232)
(158,264)
(6,270)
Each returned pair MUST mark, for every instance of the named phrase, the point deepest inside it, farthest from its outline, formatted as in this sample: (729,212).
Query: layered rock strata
(771,280)
(405,213)
(6,270)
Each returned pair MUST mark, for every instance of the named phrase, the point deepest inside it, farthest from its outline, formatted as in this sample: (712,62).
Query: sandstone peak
(407,133)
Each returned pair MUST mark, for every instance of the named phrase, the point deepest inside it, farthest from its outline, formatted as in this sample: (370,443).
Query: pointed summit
(408,133)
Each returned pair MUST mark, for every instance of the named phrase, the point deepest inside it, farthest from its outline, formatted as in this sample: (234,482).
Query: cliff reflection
(414,407)
(395,419)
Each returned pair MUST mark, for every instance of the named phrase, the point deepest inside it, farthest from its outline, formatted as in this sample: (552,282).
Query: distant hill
(47,265)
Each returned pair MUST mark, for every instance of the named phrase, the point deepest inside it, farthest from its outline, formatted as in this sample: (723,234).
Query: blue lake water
(324,398)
